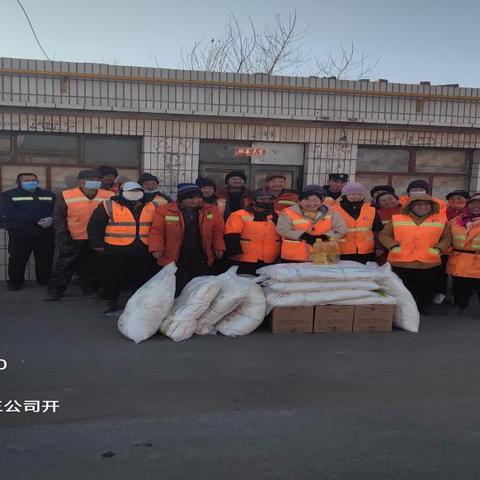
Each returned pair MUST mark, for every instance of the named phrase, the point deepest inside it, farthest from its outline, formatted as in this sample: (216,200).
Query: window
(382,160)
(444,170)
(57,159)
(111,151)
(222,152)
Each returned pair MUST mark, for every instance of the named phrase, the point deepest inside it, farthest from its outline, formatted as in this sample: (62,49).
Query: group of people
(115,234)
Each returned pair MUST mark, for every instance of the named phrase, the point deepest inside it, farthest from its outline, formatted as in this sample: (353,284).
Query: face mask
(93,184)
(30,186)
(132,196)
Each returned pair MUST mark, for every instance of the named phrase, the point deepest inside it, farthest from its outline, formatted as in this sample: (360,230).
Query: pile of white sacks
(228,303)
(236,305)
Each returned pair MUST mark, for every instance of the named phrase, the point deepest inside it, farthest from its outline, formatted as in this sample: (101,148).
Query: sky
(413,40)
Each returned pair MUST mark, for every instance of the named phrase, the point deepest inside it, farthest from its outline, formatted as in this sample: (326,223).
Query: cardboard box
(292,320)
(373,318)
(333,318)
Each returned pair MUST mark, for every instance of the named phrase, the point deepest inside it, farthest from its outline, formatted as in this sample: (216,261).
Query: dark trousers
(189,266)
(125,271)
(75,256)
(20,247)
(248,268)
(420,283)
(359,257)
(441,277)
(463,289)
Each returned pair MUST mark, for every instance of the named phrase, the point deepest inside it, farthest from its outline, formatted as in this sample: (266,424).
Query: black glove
(310,239)
(323,237)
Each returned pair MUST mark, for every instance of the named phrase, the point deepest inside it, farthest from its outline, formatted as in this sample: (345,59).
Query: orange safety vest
(158,201)
(359,237)
(464,261)
(329,201)
(122,229)
(284,201)
(416,242)
(80,209)
(259,240)
(299,250)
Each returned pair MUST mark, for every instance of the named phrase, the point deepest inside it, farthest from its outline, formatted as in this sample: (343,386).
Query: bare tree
(274,50)
(346,64)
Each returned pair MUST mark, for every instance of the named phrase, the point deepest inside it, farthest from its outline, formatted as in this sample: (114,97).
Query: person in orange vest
(250,234)
(109,175)
(420,187)
(378,190)
(208,188)
(118,230)
(387,205)
(189,232)
(362,223)
(72,212)
(456,203)
(150,185)
(464,261)
(416,239)
(333,189)
(275,183)
(236,191)
(301,225)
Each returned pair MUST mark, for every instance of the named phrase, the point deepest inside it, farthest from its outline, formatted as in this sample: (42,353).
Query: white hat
(129,186)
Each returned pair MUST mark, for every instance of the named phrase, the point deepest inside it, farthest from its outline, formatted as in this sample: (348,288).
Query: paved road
(338,406)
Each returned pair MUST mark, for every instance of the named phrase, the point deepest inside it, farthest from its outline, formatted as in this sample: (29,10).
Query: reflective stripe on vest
(359,236)
(416,242)
(299,250)
(20,199)
(122,229)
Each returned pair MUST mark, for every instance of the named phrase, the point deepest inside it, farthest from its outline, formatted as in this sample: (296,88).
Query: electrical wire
(33,30)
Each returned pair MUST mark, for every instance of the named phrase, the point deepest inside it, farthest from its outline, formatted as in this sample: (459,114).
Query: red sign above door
(249,152)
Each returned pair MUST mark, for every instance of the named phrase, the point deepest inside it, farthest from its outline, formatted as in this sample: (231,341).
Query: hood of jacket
(406,210)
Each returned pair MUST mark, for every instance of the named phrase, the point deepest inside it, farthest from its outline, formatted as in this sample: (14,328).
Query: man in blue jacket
(27,214)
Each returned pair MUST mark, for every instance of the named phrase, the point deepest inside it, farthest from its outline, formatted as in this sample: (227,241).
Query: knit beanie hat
(417,184)
(353,187)
(381,188)
(460,193)
(188,190)
(147,177)
(235,173)
(205,182)
(310,190)
(475,196)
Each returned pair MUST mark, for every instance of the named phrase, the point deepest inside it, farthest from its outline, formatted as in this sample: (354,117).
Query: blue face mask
(30,186)
(93,184)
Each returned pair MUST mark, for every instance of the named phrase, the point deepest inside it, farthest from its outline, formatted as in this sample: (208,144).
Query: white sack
(293,287)
(192,303)
(149,305)
(247,316)
(406,314)
(310,272)
(310,299)
(233,291)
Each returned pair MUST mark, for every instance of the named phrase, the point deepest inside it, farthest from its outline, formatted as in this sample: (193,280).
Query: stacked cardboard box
(332,318)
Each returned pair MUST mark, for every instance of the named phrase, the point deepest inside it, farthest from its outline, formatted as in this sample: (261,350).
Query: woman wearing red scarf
(464,261)
(456,203)
(387,205)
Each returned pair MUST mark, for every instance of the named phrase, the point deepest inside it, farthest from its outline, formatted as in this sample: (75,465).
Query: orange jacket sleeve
(156,239)
(218,230)
(234,223)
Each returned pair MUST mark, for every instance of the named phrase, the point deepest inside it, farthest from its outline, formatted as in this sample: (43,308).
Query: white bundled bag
(406,315)
(374,298)
(294,287)
(310,272)
(247,316)
(192,303)
(148,306)
(233,291)
(310,299)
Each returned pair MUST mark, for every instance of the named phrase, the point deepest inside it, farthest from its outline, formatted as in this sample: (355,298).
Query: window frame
(15,159)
